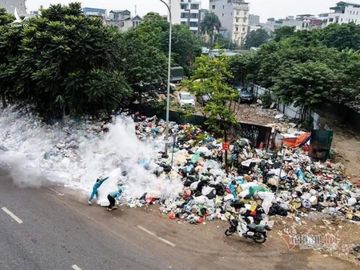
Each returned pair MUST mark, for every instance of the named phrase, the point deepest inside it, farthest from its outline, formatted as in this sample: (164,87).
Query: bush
(266,99)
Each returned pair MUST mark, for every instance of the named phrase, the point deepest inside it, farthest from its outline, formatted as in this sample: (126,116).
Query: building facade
(343,12)
(186,12)
(254,22)
(10,6)
(123,20)
(234,18)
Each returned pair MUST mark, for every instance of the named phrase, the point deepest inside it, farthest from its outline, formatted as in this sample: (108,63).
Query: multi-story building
(119,15)
(254,22)
(344,12)
(95,12)
(186,12)
(122,20)
(234,18)
(11,5)
(254,19)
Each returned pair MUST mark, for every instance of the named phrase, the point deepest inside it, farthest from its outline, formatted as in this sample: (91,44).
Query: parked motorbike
(256,232)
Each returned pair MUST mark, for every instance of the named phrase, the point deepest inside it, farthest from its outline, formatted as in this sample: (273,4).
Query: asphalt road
(54,235)
(51,228)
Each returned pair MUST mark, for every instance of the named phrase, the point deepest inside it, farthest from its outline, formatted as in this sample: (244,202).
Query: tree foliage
(210,25)
(210,78)
(307,67)
(5,18)
(306,84)
(62,62)
(154,32)
(256,38)
(283,32)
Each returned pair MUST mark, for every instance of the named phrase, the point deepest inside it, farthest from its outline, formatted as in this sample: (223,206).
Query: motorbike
(256,232)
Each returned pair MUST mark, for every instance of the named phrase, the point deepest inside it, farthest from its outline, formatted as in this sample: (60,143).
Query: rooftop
(344,4)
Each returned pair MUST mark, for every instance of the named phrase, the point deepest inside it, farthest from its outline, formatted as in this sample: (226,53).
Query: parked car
(246,94)
(185,98)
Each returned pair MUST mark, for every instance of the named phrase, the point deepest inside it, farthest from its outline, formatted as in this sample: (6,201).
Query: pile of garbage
(267,182)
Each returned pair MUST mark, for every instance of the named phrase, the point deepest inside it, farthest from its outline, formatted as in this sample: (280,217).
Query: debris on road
(280,182)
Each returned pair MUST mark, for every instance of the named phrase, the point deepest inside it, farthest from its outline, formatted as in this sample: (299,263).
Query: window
(194,6)
(194,15)
(183,6)
(184,15)
(223,14)
(184,23)
(193,24)
(213,6)
(236,28)
(237,19)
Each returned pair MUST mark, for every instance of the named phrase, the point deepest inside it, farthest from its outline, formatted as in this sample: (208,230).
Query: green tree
(210,25)
(223,43)
(256,38)
(210,78)
(243,68)
(9,43)
(154,32)
(145,67)
(305,84)
(67,63)
(283,32)
(341,36)
(5,18)
(185,47)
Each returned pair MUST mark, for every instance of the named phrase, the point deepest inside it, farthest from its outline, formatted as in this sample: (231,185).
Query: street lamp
(168,82)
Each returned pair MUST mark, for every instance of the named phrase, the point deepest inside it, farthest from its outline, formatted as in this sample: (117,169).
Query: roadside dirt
(205,246)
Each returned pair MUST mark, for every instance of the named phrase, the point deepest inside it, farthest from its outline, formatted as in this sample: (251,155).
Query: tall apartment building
(10,6)
(186,12)
(254,22)
(234,18)
(343,12)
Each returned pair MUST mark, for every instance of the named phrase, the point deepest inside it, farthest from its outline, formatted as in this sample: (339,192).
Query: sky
(265,8)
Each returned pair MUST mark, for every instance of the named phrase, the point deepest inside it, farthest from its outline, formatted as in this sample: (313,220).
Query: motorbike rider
(239,210)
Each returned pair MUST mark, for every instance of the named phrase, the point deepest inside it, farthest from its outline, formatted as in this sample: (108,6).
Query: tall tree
(154,32)
(210,25)
(341,36)
(283,32)
(67,63)
(9,43)
(5,18)
(210,78)
(307,84)
(256,38)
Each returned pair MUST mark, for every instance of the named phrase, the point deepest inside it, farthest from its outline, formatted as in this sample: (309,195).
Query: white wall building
(344,12)
(10,6)
(234,18)
(186,12)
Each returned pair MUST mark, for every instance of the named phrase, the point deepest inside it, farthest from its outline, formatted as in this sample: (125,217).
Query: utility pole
(169,75)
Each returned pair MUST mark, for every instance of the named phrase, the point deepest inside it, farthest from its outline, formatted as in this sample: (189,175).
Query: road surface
(52,228)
